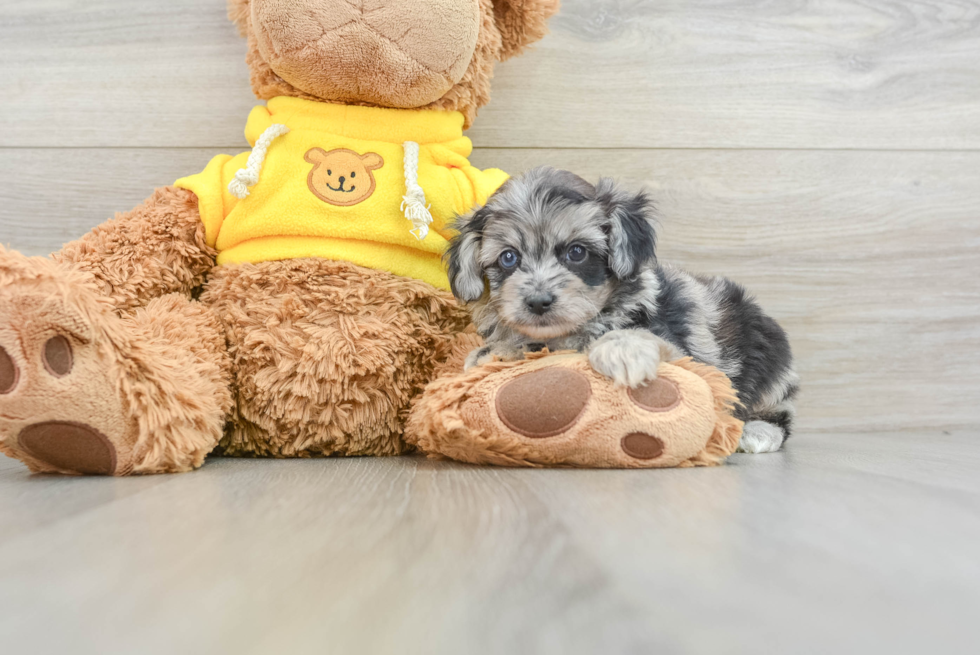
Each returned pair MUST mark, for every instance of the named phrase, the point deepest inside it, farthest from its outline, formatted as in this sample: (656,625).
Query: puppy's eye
(508,259)
(576,253)
(353,174)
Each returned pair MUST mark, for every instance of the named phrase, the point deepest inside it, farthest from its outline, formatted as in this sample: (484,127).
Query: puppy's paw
(477,357)
(628,357)
(761,437)
(486,354)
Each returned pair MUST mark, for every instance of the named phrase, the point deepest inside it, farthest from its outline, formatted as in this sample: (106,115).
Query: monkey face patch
(342,177)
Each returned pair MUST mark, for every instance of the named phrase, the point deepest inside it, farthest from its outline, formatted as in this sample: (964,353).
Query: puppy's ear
(463,256)
(631,228)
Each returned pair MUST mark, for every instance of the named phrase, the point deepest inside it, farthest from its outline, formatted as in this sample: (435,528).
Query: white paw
(761,437)
(477,357)
(484,354)
(627,357)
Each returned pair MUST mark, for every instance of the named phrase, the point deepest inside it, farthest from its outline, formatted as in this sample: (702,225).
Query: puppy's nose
(539,304)
(342,178)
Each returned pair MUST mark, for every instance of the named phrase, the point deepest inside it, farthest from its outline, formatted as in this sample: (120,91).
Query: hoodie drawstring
(249,176)
(413,202)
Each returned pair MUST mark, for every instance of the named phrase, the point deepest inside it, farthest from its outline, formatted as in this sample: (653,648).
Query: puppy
(553,261)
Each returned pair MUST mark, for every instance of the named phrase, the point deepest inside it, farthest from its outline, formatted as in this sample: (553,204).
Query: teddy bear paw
(554,403)
(59,407)
(558,411)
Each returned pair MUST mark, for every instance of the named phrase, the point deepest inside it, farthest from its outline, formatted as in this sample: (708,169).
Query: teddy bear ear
(372,160)
(522,22)
(238,11)
(315,155)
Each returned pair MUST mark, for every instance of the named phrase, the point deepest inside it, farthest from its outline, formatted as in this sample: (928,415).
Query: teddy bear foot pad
(59,410)
(549,402)
(87,391)
(557,411)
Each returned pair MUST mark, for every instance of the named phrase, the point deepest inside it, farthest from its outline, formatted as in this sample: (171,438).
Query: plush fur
(506,27)
(376,339)
(553,261)
(155,249)
(167,354)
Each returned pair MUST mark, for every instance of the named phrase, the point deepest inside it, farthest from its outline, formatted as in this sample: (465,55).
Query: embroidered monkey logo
(342,177)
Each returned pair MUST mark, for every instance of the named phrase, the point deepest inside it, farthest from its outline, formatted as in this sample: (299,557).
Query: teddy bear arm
(153,250)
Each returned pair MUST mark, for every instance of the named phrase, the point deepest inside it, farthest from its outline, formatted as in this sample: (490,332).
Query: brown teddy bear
(288,301)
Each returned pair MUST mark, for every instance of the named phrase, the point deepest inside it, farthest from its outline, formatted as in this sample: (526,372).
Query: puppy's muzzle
(539,304)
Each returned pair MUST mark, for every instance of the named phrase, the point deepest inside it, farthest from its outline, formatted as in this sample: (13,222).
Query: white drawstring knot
(249,176)
(413,202)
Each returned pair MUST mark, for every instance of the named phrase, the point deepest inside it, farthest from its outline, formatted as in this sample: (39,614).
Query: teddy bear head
(408,54)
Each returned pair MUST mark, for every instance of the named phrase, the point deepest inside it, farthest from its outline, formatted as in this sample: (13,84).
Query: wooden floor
(842,543)
(825,153)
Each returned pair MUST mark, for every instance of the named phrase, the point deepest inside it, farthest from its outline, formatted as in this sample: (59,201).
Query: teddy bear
(289,301)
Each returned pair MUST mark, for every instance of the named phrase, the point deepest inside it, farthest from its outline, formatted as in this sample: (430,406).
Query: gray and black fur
(519,262)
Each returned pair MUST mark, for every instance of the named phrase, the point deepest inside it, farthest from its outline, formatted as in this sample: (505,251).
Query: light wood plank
(614,73)
(7,463)
(50,196)
(868,259)
(742,74)
(812,550)
(121,72)
(42,501)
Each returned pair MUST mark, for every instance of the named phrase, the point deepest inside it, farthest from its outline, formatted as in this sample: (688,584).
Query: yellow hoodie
(333,184)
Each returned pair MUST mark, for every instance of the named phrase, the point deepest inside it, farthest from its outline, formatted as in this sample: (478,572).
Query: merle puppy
(553,261)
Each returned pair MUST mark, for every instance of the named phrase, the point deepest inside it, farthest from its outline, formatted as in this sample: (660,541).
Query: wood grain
(825,153)
(410,556)
(869,259)
(613,73)
(121,73)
